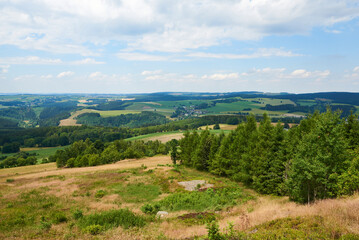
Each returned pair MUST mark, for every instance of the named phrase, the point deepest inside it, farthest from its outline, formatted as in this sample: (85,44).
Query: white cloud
(86,61)
(4,68)
(65,74)
(260,53)
(69,26)
(35,60)
(221,76)
(302,73)
(30,60)
(356,69)
(140,57)
(145,73)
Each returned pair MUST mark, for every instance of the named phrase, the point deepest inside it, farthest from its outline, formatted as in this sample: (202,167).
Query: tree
(321,156)
(216,126)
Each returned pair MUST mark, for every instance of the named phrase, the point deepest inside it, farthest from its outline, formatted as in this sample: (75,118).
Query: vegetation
(19,159)
(316,160)
(124,120)
(87,153)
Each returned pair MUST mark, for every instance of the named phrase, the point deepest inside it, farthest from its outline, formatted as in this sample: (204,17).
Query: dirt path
(44,170)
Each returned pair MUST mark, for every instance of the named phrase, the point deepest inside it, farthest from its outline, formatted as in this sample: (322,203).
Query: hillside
(59,197)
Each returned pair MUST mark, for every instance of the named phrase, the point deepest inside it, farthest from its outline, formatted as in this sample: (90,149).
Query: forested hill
(338,97)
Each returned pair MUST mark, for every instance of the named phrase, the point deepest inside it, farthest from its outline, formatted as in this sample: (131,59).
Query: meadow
(118,201)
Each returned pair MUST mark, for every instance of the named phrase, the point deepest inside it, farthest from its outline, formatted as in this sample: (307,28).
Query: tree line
(317,159)
(88,153)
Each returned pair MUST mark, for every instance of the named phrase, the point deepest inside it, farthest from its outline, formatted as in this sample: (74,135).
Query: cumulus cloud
(65,74)
(221,76)
(145,73)
(260,53)
(4,68)
(30,60)
(302,73)
(68,26)
(86,61)
(131,56)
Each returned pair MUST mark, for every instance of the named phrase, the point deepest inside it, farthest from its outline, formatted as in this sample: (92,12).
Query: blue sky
(134,46)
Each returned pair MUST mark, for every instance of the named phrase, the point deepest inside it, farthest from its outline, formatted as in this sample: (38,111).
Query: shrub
(200,201)
(77,214)
(59,217)
(100,194)
(44,225)
(93,229)
(150,209)
(213,231)
(113,218)
(10,180)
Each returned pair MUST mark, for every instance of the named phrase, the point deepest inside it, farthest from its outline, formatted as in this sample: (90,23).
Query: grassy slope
(39,197)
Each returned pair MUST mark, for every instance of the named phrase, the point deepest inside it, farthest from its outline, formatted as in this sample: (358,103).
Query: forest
(315,160)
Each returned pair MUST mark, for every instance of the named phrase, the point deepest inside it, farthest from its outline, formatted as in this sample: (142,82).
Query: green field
(114,113)
(40,153)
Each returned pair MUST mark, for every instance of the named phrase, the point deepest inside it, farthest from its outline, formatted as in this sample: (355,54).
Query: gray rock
(193,185)
(161,214)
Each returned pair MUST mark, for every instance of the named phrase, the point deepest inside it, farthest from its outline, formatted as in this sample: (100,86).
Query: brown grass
(44,170)
(166,138)
(343,213)
(222,126)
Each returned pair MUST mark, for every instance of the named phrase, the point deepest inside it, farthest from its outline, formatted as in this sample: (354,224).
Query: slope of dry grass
(37,193)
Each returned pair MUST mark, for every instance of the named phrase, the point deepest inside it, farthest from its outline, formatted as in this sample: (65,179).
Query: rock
(161,214)
(193,185)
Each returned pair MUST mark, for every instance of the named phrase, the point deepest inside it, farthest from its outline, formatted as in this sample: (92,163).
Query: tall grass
(208,200)
(113,218)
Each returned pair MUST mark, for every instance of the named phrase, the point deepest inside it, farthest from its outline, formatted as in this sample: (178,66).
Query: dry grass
(222,127)
(165,138)
(337,213)
(64,183)
(44,170)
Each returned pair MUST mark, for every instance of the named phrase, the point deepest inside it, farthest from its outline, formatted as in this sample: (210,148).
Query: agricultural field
(41,153)
(120,201)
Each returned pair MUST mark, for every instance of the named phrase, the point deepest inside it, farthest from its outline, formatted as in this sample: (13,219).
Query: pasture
(118,201)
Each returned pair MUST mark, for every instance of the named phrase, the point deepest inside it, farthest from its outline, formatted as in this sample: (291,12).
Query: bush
(150,209)
(200,201)
(93,229)
(113,218)
(100,194)
(44,225)
(59,217)
(77,214)
(10,180)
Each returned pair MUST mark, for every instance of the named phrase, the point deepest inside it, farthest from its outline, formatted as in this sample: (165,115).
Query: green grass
(40,153)
(138,192)
(110,219)
(46,152)
(114,113)
(208,200)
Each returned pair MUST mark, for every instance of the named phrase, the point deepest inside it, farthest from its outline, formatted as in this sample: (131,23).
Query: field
(42,202)
(41,153)
(168,136)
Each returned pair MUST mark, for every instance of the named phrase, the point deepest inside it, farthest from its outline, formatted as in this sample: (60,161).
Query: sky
(141,46)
